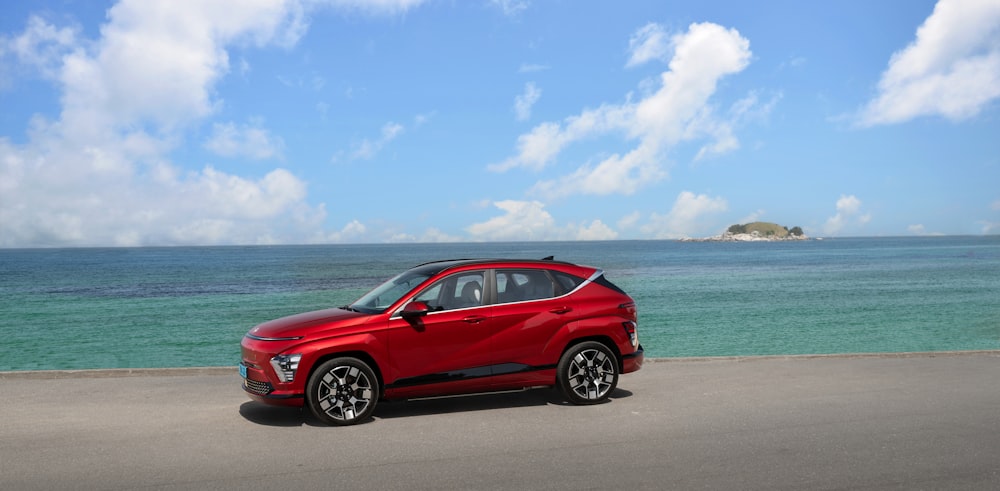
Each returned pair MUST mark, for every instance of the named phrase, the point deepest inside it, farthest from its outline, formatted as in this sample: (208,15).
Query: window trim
(549,273)
(491,296)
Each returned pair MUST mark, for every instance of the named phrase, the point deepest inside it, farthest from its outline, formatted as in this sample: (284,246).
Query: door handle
(474,319)
(561,310)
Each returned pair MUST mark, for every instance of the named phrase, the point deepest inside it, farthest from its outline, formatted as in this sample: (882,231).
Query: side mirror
(415,310)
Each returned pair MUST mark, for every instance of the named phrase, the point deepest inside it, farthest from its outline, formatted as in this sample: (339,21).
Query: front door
(448,349)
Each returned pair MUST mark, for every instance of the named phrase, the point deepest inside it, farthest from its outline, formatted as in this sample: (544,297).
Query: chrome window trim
(593,277)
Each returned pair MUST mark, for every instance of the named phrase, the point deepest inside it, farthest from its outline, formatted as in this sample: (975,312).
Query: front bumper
(257,386)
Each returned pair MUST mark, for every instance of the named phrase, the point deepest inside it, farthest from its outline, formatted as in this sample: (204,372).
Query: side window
(431,295)
(519,285)
(567,282)
(457,291)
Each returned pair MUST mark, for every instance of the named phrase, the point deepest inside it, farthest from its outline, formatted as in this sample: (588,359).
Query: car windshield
(384,295)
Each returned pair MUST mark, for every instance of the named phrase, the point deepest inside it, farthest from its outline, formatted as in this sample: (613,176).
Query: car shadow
(265,415)
(466,403)
(279,416)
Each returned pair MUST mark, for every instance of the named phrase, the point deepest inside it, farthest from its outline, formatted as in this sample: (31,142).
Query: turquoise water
(178,307)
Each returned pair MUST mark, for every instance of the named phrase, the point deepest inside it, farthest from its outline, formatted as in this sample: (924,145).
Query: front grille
(259,388)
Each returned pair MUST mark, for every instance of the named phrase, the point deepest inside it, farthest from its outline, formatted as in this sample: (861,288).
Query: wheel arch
(605,340)
(361,355)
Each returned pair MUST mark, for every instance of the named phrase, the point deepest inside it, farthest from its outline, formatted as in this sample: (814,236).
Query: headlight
(285,366)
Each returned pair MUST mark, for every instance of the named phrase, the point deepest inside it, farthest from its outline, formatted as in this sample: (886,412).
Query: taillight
(629,308)
(633,335)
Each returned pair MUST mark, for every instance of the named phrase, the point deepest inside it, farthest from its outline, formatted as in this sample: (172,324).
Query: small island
(755,232)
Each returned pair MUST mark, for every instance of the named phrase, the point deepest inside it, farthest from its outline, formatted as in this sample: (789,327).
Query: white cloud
(629,221)
(422,119)
(919,229)
(749,108)
(848,205)
(686,218)
(41,45)
(367,149)
(536,149)
(374,7)
(511,8)
(618,174)
(848,214)
(650,42)
(951,69)
(752,217)
(596,230)
(988,227)
(435,235)
(522,220)
(525,101)
(528,220)
(244,67)
(793,62)
(157,61)
(100,174)
(251,141)
(104,200)
(677,111)
(351,232)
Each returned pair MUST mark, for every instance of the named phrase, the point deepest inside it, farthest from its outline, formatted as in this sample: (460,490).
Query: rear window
(519,285)
(523,284)
(567,282)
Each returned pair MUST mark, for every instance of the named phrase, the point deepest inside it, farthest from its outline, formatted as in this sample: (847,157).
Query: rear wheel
(342,391)
(587,373)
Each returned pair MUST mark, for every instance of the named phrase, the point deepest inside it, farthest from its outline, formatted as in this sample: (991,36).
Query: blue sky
(158,122)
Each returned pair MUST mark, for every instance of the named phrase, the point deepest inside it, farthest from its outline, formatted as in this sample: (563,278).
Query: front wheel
(342,391)
(587,373)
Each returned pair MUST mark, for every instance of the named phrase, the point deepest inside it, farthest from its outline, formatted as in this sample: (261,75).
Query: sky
(213,122)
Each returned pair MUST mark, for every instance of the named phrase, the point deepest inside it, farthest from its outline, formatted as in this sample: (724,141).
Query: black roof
(435,267)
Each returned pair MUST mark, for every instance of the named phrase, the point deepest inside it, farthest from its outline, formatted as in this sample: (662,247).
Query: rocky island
(755,232)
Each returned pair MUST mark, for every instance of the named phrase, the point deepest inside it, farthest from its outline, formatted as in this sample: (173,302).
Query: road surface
(924,421)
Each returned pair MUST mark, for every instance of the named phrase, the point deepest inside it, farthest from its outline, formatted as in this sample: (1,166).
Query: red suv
(449,327)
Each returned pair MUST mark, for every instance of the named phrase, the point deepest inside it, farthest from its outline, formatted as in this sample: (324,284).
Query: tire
(342,391)
(587,373)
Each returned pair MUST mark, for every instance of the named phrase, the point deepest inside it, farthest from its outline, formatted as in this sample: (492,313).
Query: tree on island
(765,229)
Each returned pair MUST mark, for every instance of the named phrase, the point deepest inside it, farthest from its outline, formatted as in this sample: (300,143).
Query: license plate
(243,370)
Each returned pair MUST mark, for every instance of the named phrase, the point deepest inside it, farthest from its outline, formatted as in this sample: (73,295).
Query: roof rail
(450,260)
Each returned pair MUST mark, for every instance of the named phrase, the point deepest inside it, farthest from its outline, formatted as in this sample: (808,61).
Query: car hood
(300,325)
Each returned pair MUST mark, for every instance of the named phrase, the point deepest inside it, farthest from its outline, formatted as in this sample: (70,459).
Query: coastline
(751,237)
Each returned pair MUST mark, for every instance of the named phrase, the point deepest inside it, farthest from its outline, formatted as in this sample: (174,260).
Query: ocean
(189,306)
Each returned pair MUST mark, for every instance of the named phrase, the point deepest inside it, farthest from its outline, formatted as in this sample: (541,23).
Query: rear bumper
(633,362)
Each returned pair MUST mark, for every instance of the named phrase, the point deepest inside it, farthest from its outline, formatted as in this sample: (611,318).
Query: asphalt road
(896,422)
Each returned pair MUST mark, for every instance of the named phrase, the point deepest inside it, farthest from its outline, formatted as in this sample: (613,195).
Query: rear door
(531,306)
